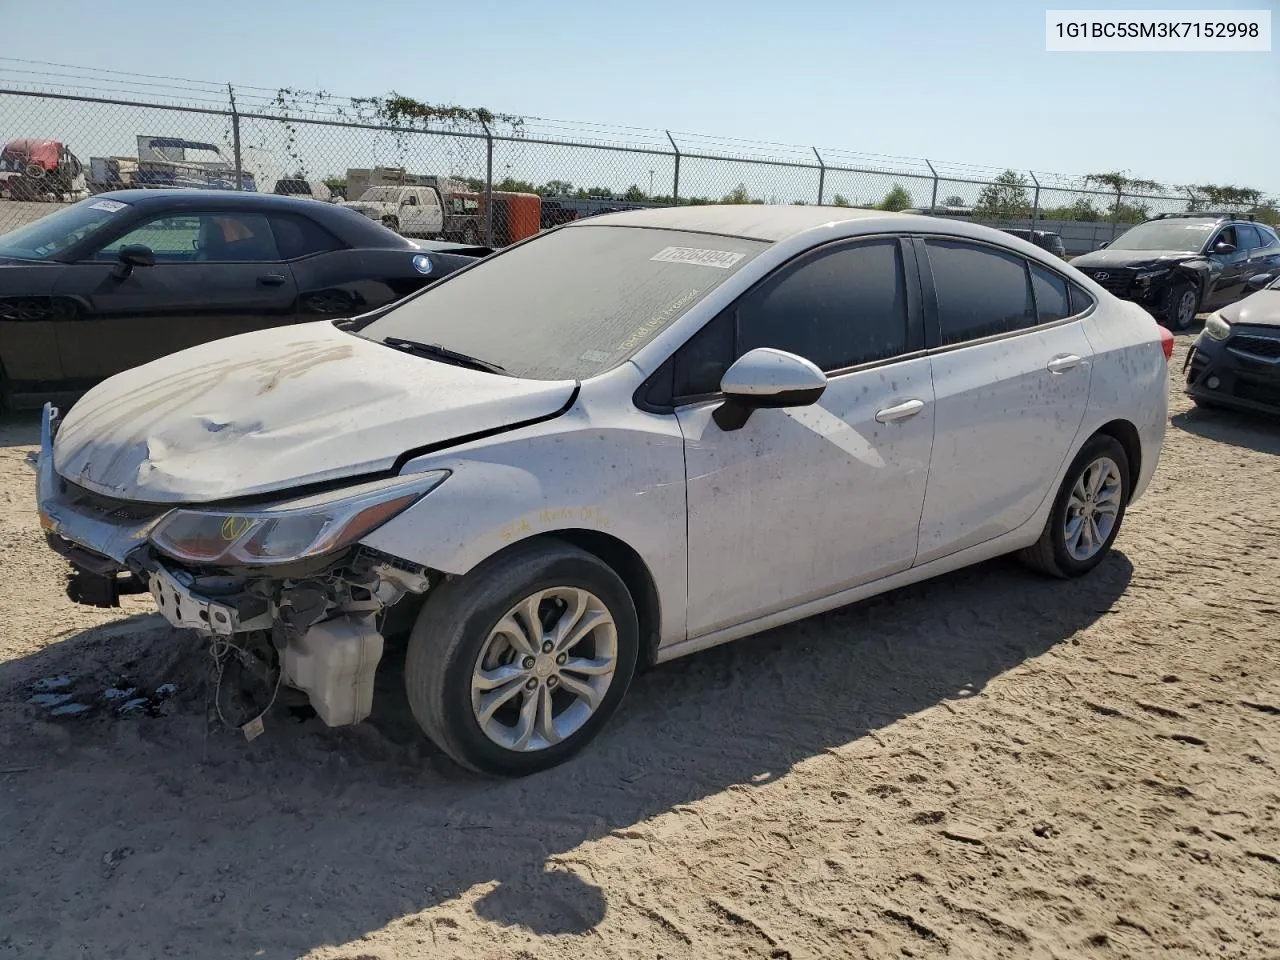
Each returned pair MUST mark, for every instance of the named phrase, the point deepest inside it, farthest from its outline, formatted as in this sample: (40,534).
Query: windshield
(47,237)
(1181,235)
(380,194)
(570,304)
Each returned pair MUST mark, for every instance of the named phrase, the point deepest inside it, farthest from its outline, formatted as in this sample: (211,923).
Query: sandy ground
(989,765)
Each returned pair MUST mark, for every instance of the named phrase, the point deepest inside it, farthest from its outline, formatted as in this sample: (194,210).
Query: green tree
(1122,184)
(737,195)
(510,185)
(1212,196)
(953,201)
(337,185)
(1005,198)
(635,195)
(840,200)
(895,199)
(1082,210)
(556,188)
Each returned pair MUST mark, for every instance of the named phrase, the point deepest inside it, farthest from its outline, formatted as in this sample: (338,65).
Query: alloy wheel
(544,669)
(1093,508)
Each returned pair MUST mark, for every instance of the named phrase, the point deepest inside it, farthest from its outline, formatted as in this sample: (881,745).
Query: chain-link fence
(70,135)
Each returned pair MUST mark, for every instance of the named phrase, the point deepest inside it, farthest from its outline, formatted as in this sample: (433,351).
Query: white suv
(621,441)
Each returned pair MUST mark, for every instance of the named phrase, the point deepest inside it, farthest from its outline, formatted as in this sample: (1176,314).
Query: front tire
(1184,304)
(516,666)
(1086,514)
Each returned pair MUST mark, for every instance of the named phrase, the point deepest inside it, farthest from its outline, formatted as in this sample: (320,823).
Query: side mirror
(765,378)
(1104,244)
(1223,247)
(134,255)
(1258,281)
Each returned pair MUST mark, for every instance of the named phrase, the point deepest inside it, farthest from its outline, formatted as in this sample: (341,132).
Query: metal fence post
(822,174)
(1192,200)
(488,185)
(235,137)
(1035,203)
(675,184)
(933,199)
(1115,218)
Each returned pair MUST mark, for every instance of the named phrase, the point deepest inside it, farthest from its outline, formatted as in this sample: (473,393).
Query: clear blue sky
(963,81)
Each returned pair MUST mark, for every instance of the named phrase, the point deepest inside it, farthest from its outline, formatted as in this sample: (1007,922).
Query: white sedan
(619,442)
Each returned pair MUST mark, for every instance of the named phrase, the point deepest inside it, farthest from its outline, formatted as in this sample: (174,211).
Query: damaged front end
(282,583)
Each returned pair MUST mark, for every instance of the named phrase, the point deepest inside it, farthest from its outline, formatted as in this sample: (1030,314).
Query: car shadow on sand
(165,835)
(1254,431)
(19,429)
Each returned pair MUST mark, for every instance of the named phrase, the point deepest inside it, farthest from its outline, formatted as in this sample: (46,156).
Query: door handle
(900,411)
(271,279)
(1062,364)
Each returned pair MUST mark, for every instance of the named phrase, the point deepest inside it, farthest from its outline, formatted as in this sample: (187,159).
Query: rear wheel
(1184,303)
(516,666)
(391,223)
(1087,512)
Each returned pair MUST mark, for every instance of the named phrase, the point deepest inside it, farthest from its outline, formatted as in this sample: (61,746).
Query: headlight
(1215,328)
(292,529)
(1147,276)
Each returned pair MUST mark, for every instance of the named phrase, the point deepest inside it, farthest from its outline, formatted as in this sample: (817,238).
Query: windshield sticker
(111,206)
(724,259)
(594,356)
(655,323)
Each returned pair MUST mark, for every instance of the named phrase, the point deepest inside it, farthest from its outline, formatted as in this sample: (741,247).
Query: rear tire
(1184,304)
(391,223)
(463,642)
(1064,549)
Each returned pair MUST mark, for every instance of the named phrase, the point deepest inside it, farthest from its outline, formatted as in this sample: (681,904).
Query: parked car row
(632,437)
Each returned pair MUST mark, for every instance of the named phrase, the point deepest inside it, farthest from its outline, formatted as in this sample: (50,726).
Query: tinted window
(232,237)
(701,363)
(1080,300)
(571,303)
(981,291)
(1051,295)
(1269,238)
(840,308)
(301,236)
(1248,236)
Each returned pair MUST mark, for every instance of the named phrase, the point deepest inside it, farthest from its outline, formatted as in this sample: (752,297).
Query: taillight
(1166,343)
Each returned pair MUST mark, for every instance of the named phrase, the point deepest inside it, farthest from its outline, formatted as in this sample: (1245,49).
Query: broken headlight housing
(289,530)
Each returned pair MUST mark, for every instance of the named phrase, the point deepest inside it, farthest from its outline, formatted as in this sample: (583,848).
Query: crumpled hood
(1261,309)
(1100,259)
(276,409)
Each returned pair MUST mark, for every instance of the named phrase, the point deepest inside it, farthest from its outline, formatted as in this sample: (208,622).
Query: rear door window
(981,291)
(298,236)
(1248,237)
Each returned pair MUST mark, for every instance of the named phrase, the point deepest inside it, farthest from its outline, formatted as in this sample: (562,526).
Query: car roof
(228,199)
(753,221)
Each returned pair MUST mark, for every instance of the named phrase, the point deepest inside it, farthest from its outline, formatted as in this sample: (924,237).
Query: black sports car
(122,278)
(1235,362)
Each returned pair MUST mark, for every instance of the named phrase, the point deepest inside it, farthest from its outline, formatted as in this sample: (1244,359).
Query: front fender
(626,481)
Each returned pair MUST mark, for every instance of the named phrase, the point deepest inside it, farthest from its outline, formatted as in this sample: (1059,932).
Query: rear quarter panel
(1130,377)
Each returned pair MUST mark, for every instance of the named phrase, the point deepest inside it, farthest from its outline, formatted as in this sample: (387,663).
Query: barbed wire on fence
(254,137)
